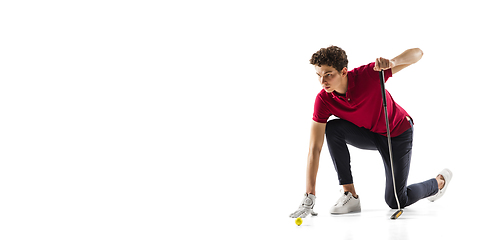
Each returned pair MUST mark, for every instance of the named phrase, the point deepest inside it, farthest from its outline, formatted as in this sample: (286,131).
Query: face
(330,78)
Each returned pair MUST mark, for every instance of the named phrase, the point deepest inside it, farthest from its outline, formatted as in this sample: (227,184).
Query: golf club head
(396,214)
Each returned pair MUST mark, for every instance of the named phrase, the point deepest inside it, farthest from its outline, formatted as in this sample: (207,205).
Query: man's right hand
(306,207)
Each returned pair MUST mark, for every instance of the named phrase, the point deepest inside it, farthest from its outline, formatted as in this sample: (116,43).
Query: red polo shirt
(362,103)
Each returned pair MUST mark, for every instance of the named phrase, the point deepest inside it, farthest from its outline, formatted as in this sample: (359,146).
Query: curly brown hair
(332,56)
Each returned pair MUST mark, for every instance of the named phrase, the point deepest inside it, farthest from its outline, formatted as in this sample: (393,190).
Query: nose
(322,81)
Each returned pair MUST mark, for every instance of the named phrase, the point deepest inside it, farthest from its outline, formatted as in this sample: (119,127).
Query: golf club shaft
(384,101)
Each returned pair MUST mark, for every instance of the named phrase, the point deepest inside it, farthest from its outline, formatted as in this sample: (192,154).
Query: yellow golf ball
(298,221)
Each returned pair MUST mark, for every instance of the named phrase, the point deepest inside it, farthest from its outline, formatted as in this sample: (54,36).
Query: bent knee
(391,201)
(392,204)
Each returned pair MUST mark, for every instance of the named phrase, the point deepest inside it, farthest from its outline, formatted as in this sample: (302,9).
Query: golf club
(384,102)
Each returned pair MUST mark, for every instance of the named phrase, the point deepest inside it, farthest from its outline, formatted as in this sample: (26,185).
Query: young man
(355,98)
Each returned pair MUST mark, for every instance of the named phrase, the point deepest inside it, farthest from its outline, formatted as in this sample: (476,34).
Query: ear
(344,71)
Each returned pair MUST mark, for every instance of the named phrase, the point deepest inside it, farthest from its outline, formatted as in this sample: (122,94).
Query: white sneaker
(346,204)
(447,175)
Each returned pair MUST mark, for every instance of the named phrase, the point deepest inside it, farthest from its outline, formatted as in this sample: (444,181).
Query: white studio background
(141,119)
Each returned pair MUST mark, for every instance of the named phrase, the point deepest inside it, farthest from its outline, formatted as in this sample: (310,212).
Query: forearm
(409,56)
(312,169)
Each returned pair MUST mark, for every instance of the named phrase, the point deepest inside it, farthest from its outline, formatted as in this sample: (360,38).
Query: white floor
(426,221)
(423,221)
(443,219)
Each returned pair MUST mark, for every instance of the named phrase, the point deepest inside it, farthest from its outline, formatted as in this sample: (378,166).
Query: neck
(342,89)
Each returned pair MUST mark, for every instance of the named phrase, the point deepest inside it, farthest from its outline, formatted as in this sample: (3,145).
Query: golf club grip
(383,88)
(384,103)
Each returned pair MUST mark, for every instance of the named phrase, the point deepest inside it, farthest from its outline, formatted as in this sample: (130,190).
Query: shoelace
(344,199)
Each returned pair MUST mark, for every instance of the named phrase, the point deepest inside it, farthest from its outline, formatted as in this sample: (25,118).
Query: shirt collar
(350,85)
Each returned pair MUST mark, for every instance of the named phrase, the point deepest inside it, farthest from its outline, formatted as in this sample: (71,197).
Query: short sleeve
(369,69)
(321,112)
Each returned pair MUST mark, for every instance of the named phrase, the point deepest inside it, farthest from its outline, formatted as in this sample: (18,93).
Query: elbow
(413,55)
(419,53)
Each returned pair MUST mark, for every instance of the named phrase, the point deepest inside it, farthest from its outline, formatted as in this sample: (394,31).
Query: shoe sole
(353,211)
(346,212)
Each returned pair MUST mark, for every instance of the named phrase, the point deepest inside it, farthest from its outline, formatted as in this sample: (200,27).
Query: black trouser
(340,133)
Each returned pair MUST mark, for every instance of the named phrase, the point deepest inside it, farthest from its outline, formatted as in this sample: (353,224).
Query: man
(355,98)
